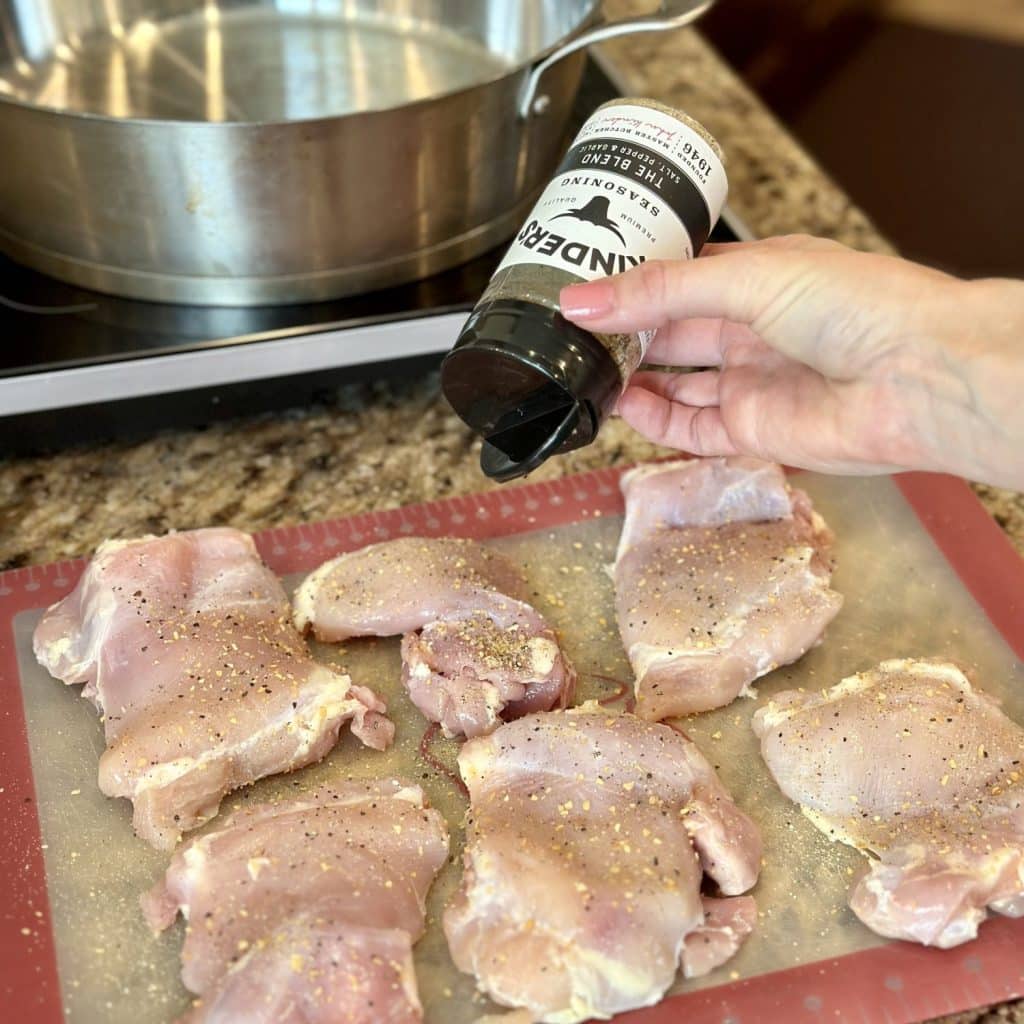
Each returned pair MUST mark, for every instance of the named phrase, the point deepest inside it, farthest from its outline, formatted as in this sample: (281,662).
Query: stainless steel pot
(240,152)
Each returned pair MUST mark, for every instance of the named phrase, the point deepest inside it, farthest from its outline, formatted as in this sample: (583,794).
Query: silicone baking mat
(924,571)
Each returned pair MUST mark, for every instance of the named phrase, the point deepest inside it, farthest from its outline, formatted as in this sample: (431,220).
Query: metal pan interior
(269,61)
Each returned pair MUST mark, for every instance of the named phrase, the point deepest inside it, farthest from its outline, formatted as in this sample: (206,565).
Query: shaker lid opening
(526,436)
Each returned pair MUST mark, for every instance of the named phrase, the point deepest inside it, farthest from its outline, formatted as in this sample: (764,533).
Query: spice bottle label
(637,184)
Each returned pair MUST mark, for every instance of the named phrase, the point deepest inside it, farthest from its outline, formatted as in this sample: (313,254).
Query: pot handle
(670,14)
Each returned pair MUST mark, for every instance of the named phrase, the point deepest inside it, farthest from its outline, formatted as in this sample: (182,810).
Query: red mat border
(867,986)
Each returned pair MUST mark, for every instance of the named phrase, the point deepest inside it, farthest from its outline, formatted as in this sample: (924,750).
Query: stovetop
(79,365)
(72,327)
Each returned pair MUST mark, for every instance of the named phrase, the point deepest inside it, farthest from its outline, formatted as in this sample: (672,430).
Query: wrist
(977,406)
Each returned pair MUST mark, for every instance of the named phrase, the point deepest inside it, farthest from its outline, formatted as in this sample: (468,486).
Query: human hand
(822,357)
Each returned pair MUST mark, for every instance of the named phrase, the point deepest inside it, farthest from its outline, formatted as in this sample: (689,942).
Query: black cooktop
(50,325)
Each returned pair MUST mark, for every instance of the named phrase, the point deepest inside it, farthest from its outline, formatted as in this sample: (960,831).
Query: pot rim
(156,123)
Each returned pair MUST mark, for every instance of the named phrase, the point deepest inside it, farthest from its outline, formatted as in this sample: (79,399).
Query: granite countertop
(388,444)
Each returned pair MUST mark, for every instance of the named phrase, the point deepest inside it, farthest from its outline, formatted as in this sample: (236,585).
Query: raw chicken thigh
(313,970)
(722,575)
(474,651)
(186,647)
(400,585)
(911,764)
(588,836)
(469,673)
(305,910)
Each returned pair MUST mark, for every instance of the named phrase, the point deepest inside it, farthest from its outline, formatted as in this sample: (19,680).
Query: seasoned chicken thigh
(474,651)
(911,764)
(722,575)
(312,901)
(398,586)
(588,836)
(470,673)
(313,970)
(186,647)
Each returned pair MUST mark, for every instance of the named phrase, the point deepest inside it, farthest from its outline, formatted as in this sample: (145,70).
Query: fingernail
(588,300)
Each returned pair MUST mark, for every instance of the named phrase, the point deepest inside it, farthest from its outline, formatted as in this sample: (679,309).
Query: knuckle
(654,278)
(699,433)
(777,291)
(675,385)
(805,240)
(661,428)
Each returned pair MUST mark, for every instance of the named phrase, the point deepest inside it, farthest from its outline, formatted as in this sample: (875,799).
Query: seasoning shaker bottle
(641,181)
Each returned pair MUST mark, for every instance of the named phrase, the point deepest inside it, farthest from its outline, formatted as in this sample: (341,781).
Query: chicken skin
(474,652)
(588,836)
(913,765)
(311,902)
(722,575)
(185,645)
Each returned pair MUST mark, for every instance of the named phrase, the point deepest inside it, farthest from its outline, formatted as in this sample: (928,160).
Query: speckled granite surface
(384,445)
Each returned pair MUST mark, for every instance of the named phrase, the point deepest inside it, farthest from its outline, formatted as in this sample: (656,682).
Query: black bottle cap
(530,382)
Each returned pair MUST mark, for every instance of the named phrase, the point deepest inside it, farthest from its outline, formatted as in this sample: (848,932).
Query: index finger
(697,342)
